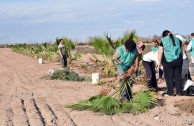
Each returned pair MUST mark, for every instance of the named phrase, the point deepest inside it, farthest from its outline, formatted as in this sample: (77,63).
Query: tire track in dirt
(20,117)
(54,115)
(32,112)
(9,117)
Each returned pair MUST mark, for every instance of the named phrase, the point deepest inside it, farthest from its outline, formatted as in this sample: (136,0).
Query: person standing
(62,53)
(185,67)
(170,55)
(125,56)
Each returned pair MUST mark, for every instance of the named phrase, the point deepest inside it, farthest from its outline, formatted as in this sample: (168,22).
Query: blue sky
(46,20)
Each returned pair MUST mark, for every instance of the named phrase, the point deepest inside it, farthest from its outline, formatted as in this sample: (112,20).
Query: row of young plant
(46,51)
(104,45)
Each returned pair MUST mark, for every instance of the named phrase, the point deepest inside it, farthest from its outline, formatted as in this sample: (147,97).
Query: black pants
(150,74)
(160,73)
(64,61)
(172,75)
(185,71)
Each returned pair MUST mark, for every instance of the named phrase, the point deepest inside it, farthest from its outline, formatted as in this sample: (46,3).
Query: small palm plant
(142,101)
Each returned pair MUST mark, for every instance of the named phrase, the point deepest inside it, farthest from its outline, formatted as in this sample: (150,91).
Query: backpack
(188,88)
(190,91)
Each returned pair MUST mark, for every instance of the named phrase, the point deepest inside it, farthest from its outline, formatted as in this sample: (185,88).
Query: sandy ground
(27,100)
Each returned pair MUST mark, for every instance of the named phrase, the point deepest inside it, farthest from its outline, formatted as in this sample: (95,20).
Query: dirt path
(27,100)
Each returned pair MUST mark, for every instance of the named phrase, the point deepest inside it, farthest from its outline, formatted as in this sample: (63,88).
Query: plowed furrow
(34,114)
(52,118)
(19,110)
(47,112)
(9,117)
(64,119)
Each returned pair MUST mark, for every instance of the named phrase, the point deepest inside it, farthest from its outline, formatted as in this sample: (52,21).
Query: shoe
(180,94)
(166,95)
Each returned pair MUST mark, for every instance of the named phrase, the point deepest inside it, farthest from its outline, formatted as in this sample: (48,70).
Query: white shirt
(184,55)
(151,56)
(189,46)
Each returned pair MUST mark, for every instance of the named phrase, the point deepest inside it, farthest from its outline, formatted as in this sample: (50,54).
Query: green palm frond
(129,35)
(102,46)
(67,75)
(110,41)
(107,105)
(141,102)
(83,105)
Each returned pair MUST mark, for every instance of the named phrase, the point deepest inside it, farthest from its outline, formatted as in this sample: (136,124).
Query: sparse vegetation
(67,75)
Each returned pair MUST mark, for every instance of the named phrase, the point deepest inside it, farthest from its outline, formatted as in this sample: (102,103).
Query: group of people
(169,56)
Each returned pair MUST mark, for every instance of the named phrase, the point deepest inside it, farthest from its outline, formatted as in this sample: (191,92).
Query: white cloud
(39,13)
(187,1)
(146,1)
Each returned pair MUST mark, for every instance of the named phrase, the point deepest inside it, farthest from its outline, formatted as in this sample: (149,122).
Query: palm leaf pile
(66,75)
(141,102)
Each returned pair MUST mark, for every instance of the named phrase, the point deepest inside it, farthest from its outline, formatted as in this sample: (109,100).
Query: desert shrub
(67,75)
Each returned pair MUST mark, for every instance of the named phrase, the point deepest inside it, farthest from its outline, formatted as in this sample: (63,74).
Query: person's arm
(136,63)
(116,57)
(160,52)
(132,69)
(189,46)
(59,51)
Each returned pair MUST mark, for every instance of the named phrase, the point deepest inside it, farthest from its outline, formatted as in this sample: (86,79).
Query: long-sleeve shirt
(189,46)
(151,56)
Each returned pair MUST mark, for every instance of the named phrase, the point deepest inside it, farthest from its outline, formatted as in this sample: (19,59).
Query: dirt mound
(186,105)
